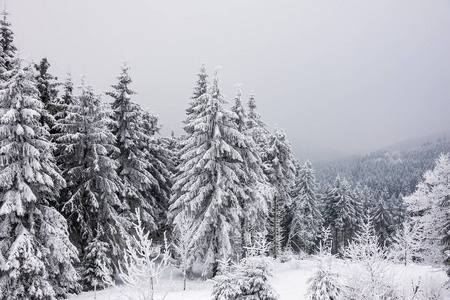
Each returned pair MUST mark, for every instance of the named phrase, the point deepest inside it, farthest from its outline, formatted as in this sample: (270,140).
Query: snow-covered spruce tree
(7,48)
(324,284)
(429,205)
(365,199)
(97,267)
(160,159)
(280,171)
(339,213)
(133,158)
(254,183)
(368,276)
(305,215)
(63,103)
(357,220)
(255,126)
(66,99)
(197,101)
(382,221)
(398,211)
(48,93)
(36,255)
(171,144)
(91,197)
(247,279)
(207,187)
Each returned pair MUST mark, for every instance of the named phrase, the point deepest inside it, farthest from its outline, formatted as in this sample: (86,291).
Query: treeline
(393,173)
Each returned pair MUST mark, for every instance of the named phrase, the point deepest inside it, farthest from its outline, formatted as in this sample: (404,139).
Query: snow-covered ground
(289,280)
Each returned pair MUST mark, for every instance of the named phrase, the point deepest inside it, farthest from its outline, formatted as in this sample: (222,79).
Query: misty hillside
(396,169)
(418,142)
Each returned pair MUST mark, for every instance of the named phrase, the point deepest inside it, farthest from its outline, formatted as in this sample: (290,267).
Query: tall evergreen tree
(255,126)
(429,205)
(92,182)
(36,255)
(48,93)
(207,187)
(254,182)
(382,221)
(397,207)
(197,101)
(280,171)
(339,213)
(306,218)
(132,141)
(7,48)
(67,99)
(160,162)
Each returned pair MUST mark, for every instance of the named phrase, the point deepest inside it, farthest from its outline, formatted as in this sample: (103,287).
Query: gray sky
(347,75)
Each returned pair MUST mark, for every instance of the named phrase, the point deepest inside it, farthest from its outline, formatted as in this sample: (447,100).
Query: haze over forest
(340,77)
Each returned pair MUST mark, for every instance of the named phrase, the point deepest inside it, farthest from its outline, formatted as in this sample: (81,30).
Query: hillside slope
(398,169)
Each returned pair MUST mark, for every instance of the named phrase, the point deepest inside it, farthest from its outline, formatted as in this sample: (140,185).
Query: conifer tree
(255,126)
(66,99)
(253,180)
(339,213)
(325,284)
(97,263)
(197,101)
(280,171)
(92,182)
(48,93)
(429,205)
(132,141)
(63,103)
(306,218)
(207,187)
(248,280)
(36,255)
(382,221)
(7,48)
(397,207)
(359,197)
(160,165)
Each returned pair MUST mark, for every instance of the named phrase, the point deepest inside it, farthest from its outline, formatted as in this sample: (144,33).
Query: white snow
(289,280)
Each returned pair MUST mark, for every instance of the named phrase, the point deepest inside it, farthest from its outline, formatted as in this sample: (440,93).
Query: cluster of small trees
(367,273)
(344,209)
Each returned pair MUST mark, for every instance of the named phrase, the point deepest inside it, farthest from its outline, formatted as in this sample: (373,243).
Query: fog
(352,76)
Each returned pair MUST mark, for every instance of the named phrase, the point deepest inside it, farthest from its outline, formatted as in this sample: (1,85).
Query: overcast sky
(348,75)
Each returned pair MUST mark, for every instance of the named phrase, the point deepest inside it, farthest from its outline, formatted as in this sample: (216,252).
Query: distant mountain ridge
(396,169)
(418,142)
